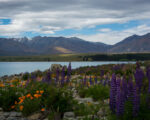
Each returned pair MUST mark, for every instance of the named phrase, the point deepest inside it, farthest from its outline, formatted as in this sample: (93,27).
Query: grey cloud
(53,15)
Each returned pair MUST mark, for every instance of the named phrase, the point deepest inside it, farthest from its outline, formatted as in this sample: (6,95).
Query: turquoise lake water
(9,68)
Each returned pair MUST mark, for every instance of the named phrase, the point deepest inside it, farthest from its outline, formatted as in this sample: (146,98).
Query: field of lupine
(107,92)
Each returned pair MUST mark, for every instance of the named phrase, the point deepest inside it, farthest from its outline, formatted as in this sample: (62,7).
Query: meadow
(106,92)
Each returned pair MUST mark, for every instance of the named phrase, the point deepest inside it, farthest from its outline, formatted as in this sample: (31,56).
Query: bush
(97,92)
(8,96)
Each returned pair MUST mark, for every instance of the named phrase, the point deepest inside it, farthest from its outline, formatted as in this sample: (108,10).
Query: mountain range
(60,45)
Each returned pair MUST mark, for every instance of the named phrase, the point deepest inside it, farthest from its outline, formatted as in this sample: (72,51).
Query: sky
(107,21)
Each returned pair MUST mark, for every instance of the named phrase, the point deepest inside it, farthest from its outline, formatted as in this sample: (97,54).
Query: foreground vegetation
(110,92)
(81,57)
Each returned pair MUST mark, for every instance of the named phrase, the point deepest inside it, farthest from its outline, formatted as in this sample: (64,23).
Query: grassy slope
(80,57)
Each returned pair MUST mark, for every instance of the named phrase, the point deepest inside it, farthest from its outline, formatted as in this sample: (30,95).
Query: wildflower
(148,75)
(2,85)
(113,93)
(21,101)
(139,75)
(136,101)
(69,73)
(11,85)
(16,102)
(37,95)
(119,102)
(37,92)
(43,109)
(62,76)
(95,79)
(23,97)
(31,97)
(13,106)
(41,91)
(21,107)
(28,95)
(57,75)
(90,80)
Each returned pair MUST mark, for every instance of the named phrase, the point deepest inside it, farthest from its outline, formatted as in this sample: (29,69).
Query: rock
(35,116)
(46,119)
(18,114)
(55,66)
(2,118)
(1,109)
(80,117)
(1,113)
(106,101)
(13,114)
(69,115)
(84,100)
(12,118)
(6,114)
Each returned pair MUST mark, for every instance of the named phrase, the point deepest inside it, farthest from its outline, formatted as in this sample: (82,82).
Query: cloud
(104,30)
(49,16)
(113,37)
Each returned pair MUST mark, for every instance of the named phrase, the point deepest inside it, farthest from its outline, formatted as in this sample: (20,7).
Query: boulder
(69,115)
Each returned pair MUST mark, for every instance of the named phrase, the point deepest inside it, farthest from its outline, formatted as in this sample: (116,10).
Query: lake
(9,68)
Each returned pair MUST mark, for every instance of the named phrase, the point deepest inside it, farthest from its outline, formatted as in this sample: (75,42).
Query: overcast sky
(107,21)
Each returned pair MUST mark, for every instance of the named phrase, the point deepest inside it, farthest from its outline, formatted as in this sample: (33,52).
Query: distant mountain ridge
(48,45)
(60,45)
(133,43)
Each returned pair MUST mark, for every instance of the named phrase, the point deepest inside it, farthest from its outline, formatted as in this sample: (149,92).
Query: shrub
(97,92)
(8,96)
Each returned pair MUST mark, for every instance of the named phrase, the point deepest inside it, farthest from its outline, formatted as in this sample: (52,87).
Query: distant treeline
(118,57)
(81,57)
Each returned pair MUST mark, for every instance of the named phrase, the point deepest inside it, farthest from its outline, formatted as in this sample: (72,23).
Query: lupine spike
(119,101)
(90,80)
(113,93)
(68,73)
(85,80)
(139,75)
(136,101)
(48,77)
(62,76)
(95,79)
(57,75)
(148,76)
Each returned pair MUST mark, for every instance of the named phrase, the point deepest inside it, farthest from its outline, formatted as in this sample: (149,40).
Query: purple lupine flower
(130,91)
(119,101)
(116,67)
(124,88)
(33,77)
(113,93)
(28,81)
(137,65)
(95,79)
(68,73)
(43,80)
(102,73)
(139,75)
(85,80)
(136,101)
(118,82)
(105,82)
(148,76)
(63,76)
(48,77)
(90,80)
(57,75)
(101,81)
